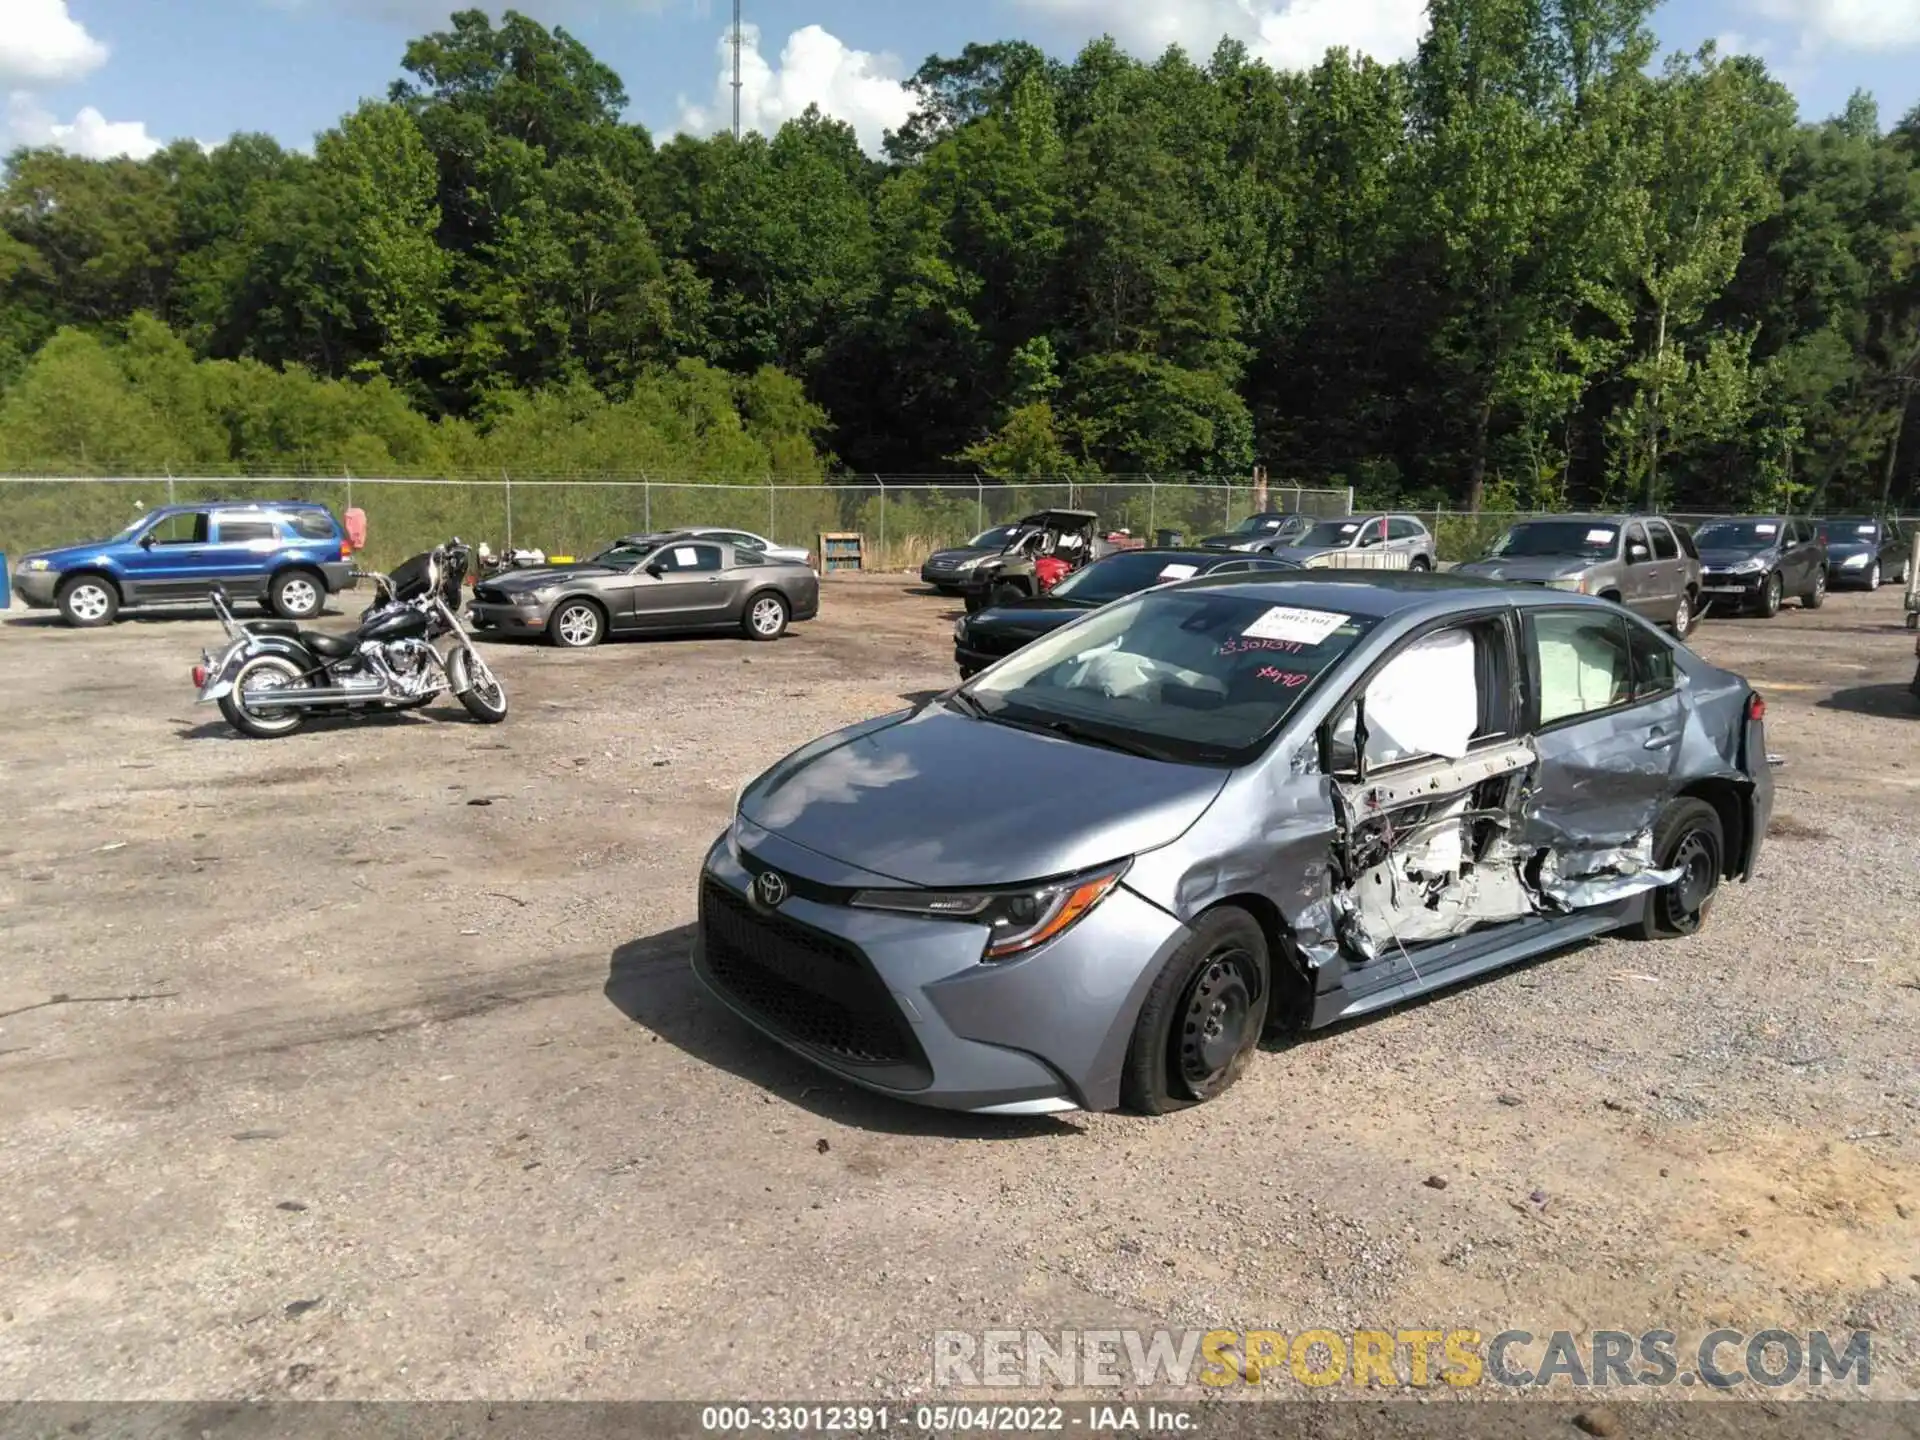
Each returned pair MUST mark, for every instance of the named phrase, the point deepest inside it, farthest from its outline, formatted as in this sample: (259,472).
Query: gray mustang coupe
(1098,872)
(651,585)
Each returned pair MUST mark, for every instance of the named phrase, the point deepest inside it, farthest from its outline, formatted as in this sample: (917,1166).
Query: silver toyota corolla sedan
(1096,874)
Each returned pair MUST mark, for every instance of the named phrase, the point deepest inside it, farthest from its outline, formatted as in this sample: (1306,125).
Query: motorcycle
(492,564)
(273,674)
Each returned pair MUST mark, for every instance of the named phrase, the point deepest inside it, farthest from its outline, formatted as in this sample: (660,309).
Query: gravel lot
(418,1099)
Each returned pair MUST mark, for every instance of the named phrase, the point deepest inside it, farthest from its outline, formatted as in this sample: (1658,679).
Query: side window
(1372,533)
(1232,567)
(682,559)
(242,532)
(1583,660)
(1638,551)
(311,525)
(1665,547)
(1403,527)
(185,529)
(1653,667)
(1687,547)
(743,541)
(1435,697)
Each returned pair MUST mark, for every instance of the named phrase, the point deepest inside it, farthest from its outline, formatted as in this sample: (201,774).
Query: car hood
(938,799)
(1716,559)
(547,575)
(1854,545)
(1227,542)
(1529,569)
(941,559)
(1035,616)
(85,550)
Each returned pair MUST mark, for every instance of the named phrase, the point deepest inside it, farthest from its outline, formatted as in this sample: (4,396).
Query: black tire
(258,726)
(1006,594)
(1772,596)
(1873,577)
(765,617)
(1419,562)
(576,625)
(1202,1020)
(481,693)
(1687,834)
(976,602)
(1817,596)
(1686,614)
(88,601)
(297,595)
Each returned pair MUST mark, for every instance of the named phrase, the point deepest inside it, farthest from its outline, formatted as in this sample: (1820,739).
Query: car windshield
(133,529)
(1848,530)
(1331,532)
(624,556)
(994,539)
(1127,573)
(1195,675)
(1264,525)
(1590,539)
(1747,536)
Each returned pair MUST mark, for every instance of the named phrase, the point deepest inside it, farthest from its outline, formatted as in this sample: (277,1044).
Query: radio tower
(736,69)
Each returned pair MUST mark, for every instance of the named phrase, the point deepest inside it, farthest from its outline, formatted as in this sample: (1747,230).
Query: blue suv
(289,554)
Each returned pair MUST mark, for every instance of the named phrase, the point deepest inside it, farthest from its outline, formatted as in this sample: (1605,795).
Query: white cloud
(1848,24)
(41,44)
(815,68)
(89,134)
(1288,34)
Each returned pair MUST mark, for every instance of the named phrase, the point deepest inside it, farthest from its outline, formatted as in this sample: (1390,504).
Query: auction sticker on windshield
(1303,627)
(1179,572)
(1600,537)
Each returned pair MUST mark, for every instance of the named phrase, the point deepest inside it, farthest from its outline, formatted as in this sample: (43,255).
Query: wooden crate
(842,551)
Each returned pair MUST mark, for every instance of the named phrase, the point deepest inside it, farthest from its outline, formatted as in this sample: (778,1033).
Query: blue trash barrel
(6,590)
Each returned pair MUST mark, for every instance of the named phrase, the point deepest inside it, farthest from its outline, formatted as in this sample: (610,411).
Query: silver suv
(1645,563)
(1334,540)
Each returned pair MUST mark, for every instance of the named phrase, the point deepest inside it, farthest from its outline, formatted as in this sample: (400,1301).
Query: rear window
(1665,547)
(312,524)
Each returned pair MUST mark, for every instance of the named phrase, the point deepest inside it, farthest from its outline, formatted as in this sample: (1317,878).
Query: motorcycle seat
(327,647)
(287,628)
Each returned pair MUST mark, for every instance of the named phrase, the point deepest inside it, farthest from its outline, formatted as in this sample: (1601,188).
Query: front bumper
(943,579)
(1841,576)
(36,587)
(509,619)
(1725,585)
(903,1006)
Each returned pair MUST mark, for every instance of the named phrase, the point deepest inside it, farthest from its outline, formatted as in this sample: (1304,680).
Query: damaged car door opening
(1296,801)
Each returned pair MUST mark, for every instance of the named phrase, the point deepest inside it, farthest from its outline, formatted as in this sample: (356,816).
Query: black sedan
(981,639)
(1862,552)
(652,585)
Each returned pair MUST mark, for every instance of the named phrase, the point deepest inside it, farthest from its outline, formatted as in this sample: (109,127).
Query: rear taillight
(346,549)
(199,677)
(1756,708)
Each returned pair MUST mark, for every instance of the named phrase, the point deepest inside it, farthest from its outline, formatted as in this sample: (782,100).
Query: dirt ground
(414,1096)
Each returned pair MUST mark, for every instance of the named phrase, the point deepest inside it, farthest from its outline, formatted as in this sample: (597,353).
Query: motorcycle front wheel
(478,687)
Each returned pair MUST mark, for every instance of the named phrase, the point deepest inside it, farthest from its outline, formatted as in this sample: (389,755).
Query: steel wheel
(269,674)
(577,626)
(1683,616)
(1873,576)
(1213,1022)
(1776,592)
(1689,838)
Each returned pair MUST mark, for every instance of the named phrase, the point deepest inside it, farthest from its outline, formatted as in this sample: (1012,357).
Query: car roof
(1041,517)
(1748,519)
(194,507)
(1179,553)
(1380,594)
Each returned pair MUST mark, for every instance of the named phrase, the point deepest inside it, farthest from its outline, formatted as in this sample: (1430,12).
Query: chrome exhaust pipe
(310,699)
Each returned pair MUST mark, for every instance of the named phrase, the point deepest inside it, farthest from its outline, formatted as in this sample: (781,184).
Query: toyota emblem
(771,889)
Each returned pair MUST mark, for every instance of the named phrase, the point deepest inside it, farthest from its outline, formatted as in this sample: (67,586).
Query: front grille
(816,990)
(487,595)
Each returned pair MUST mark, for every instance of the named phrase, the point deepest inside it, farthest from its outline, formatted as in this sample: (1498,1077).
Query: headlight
(1019,921)
(1748,567)
(1576,583)
(1853,562)
(960,628)
(536,597)
(39,564)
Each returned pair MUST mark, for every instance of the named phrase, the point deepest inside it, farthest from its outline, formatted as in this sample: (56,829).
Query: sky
(112,77)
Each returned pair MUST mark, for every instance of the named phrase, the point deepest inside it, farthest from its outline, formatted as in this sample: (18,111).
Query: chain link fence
(901,520)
